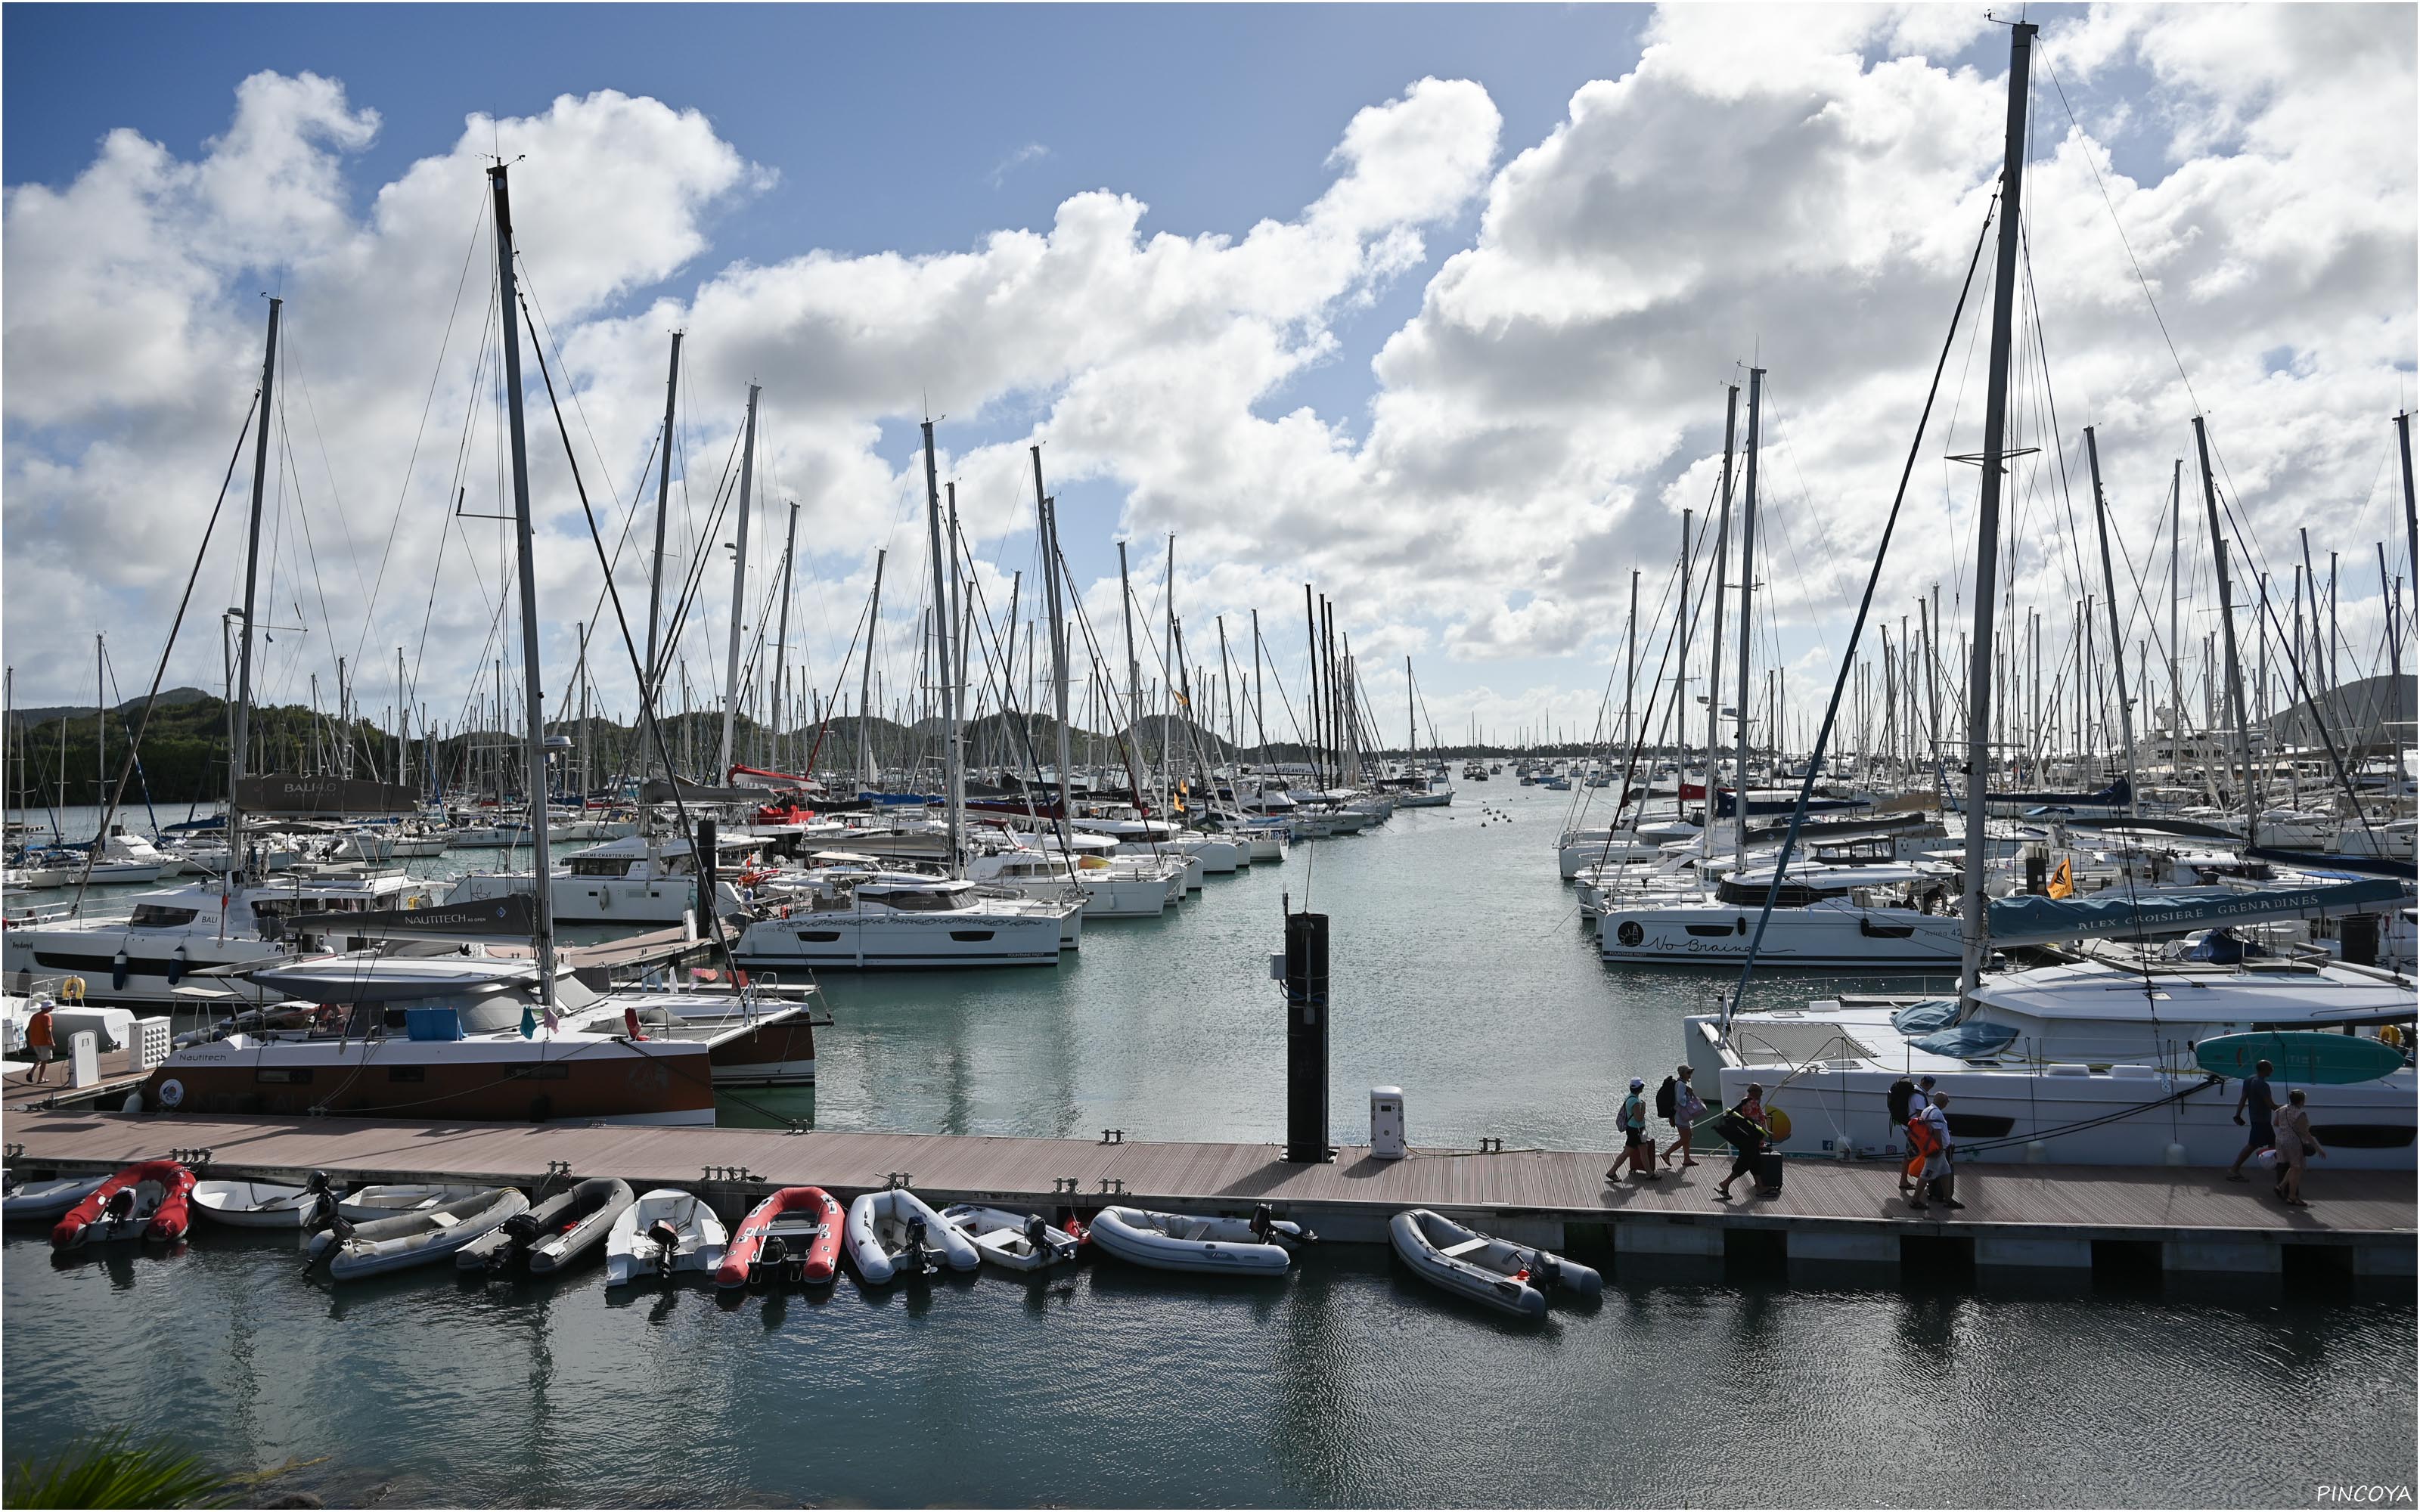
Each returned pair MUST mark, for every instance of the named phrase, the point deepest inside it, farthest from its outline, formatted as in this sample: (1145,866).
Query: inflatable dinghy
(793,1236)
(383,1245)
(1213,1246)
(149,1199)
(1013,1241)
(46,1198)
(553,1234)
(664,1232)
(369,1203)
(267,1204)
(1494,1273)
(896,1232)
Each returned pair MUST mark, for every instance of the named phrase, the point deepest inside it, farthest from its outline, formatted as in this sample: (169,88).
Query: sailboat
(861,917)
(455,1035)
(2120,1056)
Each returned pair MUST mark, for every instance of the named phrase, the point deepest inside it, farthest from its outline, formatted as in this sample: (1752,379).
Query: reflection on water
(1347,1383)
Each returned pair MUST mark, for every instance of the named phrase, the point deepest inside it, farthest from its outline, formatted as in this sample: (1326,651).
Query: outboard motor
(1264,1227)
(520,1232)
(667,1242)
(318,1203)
(1545,1274)
(1037,1234)
(917,1259)
(120,1208)
(768,1260)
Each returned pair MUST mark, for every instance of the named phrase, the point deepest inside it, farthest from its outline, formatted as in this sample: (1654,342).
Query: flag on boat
(2062,882)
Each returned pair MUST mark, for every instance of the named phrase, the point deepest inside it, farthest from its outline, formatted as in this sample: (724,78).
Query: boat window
(407,1074)
(1752,894)
(2365,1135)
(157,916)
(818,936)
(605,866)
(283,1075)
(919,903)
(549,1070)
(971,935)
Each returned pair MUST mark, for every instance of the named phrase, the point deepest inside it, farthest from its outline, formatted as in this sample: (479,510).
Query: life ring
(72,990)
(1777,1124)
(172,1093)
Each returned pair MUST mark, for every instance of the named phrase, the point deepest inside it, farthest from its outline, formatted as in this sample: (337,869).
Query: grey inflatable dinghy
(553,1234)
(1494,1273)
(412,1239)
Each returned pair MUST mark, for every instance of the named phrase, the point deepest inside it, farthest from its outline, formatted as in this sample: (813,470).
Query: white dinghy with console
(664,1232)
(1014,1241)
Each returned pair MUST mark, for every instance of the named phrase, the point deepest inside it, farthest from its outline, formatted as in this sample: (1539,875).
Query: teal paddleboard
(2312,1056)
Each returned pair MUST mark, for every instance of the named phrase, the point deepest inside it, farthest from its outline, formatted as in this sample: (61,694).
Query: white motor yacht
(857,919)
(650,880)
(141,956)
(1888,918)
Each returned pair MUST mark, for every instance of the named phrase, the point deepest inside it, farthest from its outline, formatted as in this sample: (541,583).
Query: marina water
(1462,975)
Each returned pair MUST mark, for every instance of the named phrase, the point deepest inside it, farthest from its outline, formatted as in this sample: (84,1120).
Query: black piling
(1306,1000)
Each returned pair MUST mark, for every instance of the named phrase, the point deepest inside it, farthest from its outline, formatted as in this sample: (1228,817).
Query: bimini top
(2174,910)
(2263,994)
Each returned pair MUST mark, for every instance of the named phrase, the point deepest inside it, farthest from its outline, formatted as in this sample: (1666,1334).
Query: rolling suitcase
(1768,1172)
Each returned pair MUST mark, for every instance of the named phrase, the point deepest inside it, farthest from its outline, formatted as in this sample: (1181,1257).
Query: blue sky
(1553,393)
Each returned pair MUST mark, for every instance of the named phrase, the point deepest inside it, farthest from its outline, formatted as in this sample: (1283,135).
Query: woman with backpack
(1678,1103)
(1638,1146)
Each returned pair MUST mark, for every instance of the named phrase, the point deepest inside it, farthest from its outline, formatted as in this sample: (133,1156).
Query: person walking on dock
(1939,1181)
(2295,1147)
(1687,1107)
(2259,1100)
(1638,1150)
(41,1041)
(1744,1126)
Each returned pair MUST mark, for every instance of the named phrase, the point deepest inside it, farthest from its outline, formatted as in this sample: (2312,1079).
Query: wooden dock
(2041,1219)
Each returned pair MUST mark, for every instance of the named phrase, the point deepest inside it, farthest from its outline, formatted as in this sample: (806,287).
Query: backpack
(1665,1097)
(1901,1093)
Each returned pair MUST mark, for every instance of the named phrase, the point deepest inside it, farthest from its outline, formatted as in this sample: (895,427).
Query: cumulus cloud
(1798,187)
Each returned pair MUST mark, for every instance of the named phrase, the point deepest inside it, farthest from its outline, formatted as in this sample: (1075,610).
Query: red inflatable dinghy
(792,1235)
(149,1199)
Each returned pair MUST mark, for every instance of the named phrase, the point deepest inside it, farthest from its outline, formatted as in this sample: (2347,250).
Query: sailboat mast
(533,691)
(2116,631)
(2226,634)
(1134,683)
(1715,648)
(956,792)
(653,675)
(739,589)
(1987,522)
(1747,599)
(240,741)
(866,677)
(1047,512)
(781,641)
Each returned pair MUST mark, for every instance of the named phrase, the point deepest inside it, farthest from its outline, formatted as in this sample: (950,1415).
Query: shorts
(43,1055)
(1632,1138)
(2264,1135)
